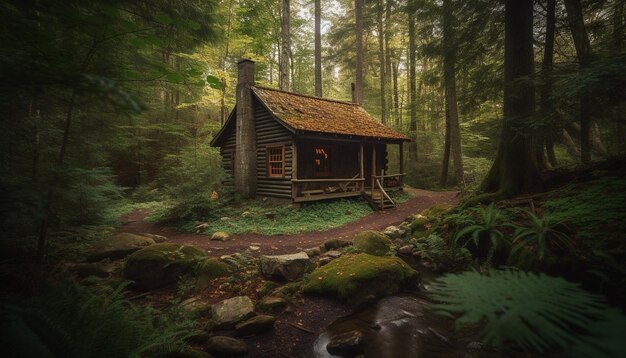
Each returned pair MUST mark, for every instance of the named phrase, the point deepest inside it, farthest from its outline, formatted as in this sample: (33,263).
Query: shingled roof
(314,114)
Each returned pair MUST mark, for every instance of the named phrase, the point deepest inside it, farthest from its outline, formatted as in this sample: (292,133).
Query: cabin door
(367,165)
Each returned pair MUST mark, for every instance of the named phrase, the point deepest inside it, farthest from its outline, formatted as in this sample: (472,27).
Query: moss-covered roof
(314,114)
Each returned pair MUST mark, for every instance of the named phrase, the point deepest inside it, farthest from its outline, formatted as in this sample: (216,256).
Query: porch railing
(330,186)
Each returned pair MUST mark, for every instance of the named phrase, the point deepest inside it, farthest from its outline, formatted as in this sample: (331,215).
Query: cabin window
(321,160)
(276,162)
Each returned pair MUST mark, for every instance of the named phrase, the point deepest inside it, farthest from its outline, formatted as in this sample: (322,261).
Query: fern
(530,311)
(487,227)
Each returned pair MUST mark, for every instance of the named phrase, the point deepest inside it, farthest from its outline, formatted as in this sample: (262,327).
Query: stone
(393,232)
(372,242)
(195,306)
(226,346)
(227,313)
(333,254)
(324,260)
(313,251)
(220,236)
(271,304)
(254,248)
(255,325)
(160,265)
(290,267)
(335,244)
(406,250)
(224,218)
(118,246)
(159,239)
(346,344)
(246,214)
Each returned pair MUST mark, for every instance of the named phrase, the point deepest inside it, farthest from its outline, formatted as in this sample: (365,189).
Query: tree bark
(583,52)
(412,91)
(515,170)
(546,90)
(388,69)
(381,60)
(223,110)
(318,48)
(453,129)
(445,165)
(286,47)
(358,89)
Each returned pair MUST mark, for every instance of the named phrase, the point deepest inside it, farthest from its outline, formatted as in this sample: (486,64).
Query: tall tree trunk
(396,99)
(223,109)
(381,60)
(583,52)
(546,90)
(318,48)
(286,47)
(618,25)
(449,79)
(445,165)
(412,91)
(515,169)
(388,71)
(358,13)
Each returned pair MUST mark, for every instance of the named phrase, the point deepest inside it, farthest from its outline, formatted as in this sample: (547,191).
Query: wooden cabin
(303,148)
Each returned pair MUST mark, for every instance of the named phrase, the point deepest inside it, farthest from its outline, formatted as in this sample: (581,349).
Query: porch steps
(373,198)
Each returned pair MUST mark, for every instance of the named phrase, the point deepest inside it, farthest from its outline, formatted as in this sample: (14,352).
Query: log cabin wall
(270,133)
(227,150)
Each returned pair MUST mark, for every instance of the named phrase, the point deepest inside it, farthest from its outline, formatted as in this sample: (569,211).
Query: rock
(372,242)
(335,244)
(226,346)
(246,214)
(195,306)
(393,232)
(324,260)
(220,236)
(159,239)
(118,246)
(406,250)
(347,344)
(357,278)
(83,270)
(227,313)
(224,218)
(313,251)
(291,267)
(254,248)
(271,304)
(333,254)
(160,265)
(255,325)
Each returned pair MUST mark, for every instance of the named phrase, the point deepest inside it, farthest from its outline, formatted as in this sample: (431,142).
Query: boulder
(372,242)
(332,254)
(347,344)
(324,260)
(118,246)
(406,250)
(290,267)
(220,236)
(271,304)
(195,306)
(335,244)
(226,346)
(313,251)
(357,278)
(255,325)
(394,232)
(160,265)
(227,313)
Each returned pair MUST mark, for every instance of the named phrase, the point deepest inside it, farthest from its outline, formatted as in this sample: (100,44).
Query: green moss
(268,287)
(357,278)
(419,223)
(435,210)
(372,242)
(288,290)
(167,252)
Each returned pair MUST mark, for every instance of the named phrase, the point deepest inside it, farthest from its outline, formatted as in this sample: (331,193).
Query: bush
(372,242)
(446,256)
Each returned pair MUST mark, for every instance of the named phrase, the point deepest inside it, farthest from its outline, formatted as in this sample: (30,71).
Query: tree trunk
(412,91)
(396,99)
(318,48)
(223,110)
(358,13)
(583,52)
(445,165)
(514,170)
(449,74)
(546,90)
(285,48)
(381,60)
(388,71)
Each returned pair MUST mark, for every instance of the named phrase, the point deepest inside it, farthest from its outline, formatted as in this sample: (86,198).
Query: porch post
(294,168)
(373,162)
(362,171)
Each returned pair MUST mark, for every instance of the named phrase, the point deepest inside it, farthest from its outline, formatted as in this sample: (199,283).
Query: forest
(125,232)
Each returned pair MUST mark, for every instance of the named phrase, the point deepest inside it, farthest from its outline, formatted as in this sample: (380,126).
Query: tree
(285,53)
(546,105)
(412,89)
(453,130)
(381,60)
(515,168)
(318,48)
(358,89)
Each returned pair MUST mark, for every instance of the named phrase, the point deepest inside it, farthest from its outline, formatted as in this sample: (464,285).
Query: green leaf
(214,82)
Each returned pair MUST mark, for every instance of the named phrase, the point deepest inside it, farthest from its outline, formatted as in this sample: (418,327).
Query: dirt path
(280,244)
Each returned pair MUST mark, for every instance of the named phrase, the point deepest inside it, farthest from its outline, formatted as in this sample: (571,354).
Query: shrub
(372,242)
(484,238)
(447,256)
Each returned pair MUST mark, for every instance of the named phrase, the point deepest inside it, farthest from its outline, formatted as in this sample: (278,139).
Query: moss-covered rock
(118,246)
(162,264)
(372,242)
(435,210)
(357,278)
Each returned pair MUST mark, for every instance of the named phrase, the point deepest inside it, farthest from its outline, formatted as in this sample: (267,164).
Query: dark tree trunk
(515,168)
(583,52)
(381,60)
(396,97)
(285,47)
(546,90)
(358,12)
(318,48)
(388,71)
(445,165)
(412,91)
(453,129)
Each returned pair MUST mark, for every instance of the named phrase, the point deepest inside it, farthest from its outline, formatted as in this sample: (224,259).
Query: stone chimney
(245,156)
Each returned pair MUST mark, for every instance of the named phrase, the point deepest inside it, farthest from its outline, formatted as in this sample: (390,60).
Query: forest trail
(282,244)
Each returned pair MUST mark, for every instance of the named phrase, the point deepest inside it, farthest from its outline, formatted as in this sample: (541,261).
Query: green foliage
(544,236)
(485,234)
(372,242)
(70,321)
(447,256)
(530,311)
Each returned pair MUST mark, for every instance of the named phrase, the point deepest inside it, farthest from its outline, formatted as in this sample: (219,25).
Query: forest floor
(282,244)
